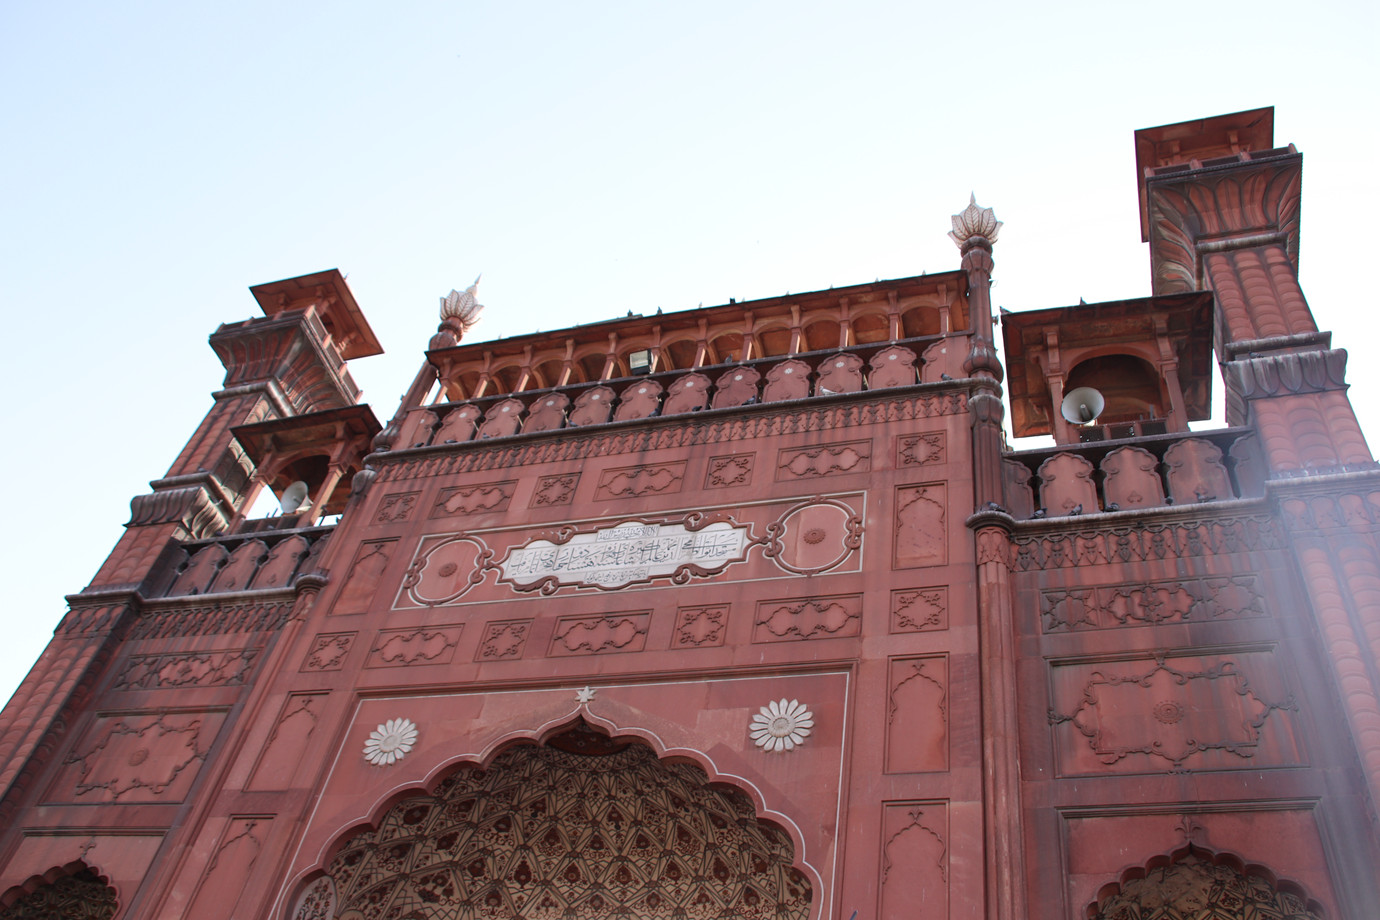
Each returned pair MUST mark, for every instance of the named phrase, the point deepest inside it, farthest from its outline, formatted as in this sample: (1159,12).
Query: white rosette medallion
(781,726)
(390,742)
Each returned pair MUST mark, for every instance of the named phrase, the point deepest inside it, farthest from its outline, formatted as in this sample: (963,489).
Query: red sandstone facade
(747,612)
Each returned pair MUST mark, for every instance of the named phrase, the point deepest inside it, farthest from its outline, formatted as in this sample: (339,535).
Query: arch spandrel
(681,724)
(72,892)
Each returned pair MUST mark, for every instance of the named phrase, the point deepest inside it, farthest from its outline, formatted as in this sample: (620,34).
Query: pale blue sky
(589,159)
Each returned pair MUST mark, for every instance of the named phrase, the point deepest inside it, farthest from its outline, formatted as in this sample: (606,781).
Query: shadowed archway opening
(1196,884)
(74,895)
(581,826)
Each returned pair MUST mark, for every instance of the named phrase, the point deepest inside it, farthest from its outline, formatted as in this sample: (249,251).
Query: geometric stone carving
(920,449)
(1195,711)
(79,896)
(1132,480)
(396,508)
(555,490)
(920,537)
(395,648)
(362,581)
(915,860)
(917,726)
(1197,888)
(614,632)
(503,640)
(637,481)
(808,618)
(328,651)
(233,859)
(1195,472)
(734,470)
(787,380)
(489,496)
(891,367)
(1066,485)
(1151,603)
(700,627)
(187,669)
(142,757)
(825,460)
(919,610)
(545,832)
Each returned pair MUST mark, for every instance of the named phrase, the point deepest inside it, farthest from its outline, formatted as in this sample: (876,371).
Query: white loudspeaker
(293,497)
(1082,405)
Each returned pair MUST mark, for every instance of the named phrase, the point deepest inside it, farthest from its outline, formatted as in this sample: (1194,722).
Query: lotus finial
(974,221)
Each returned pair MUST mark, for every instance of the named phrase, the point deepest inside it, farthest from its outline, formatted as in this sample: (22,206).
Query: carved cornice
(1244,203)
(189,506)
(1287,374)
(637,437)
(1143,540)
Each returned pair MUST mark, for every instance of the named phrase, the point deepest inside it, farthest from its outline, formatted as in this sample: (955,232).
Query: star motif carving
(585,695)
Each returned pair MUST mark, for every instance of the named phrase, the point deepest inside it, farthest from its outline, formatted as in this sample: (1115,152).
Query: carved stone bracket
(1285,374)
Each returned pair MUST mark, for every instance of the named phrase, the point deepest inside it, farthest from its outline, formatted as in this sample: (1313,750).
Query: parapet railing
(1144,472)
(242,561)
(773,379)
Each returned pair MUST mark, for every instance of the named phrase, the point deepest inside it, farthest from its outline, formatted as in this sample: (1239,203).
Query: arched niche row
(581,826)
(1197,884)
(73,892)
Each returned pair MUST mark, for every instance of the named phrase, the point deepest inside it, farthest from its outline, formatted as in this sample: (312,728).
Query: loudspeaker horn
(1082,405)
(293,497)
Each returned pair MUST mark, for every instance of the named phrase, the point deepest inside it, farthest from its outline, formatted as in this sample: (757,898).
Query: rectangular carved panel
(612,632)
(735,470)
(917,715)
(328,651)
(915,860)
(823,460)
(362,579)
(229,868)
(292,733)
(137,757)
(639,481)
(1149,603)
(396,508)
(919,536)
(1224,711)
(489,496)
(180,670)
(919,609)
(552,491)
(396,648)
(920,449)
(808,618)
(700,627)
(503,639)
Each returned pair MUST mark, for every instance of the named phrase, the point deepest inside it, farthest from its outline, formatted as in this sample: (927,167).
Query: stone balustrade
(255,561)
(1136,473)
(823,373)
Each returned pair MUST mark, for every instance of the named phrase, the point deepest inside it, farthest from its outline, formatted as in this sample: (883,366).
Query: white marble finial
(463,306)
(974,221)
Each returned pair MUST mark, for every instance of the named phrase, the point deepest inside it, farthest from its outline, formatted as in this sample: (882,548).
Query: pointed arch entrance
(1195,884)
(79,894)
(582,826)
